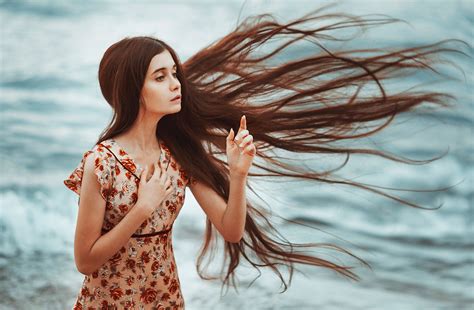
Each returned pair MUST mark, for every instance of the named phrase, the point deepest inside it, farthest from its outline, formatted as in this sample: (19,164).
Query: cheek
(153,91)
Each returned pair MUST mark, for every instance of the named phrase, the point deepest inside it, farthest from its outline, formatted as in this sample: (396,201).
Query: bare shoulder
(91,207)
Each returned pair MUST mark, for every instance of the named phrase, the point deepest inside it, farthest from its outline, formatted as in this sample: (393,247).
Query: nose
(175,84)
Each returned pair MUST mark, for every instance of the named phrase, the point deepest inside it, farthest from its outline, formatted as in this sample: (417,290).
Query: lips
(177,97)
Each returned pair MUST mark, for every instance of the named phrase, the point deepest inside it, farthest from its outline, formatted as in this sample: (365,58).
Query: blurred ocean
(52,112)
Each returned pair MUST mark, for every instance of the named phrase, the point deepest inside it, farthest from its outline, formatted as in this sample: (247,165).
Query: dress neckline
(125,154)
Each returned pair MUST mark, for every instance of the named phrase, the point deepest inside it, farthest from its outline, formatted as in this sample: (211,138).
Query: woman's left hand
(240,149)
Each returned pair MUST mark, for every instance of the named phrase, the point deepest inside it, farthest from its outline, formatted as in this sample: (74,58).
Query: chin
(176,109)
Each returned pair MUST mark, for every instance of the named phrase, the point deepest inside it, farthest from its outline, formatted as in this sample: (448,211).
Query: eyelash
(162,76)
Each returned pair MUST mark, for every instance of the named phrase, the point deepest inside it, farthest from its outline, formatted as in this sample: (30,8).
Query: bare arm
(91,250)
(229,219)
(234,214)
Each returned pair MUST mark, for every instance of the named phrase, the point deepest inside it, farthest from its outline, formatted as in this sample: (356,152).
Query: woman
(172,120)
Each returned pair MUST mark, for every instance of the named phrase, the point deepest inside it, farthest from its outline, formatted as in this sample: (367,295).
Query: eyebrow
(162,68)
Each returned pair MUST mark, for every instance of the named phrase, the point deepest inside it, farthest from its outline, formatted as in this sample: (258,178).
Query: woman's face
(161,86)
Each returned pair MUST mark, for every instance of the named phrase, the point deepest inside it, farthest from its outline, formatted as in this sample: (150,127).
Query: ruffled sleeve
(102,170)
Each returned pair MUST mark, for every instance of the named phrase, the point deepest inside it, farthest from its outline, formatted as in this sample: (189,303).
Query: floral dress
(143,273)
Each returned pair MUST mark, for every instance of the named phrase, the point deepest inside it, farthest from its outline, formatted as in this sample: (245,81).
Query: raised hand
(240,149)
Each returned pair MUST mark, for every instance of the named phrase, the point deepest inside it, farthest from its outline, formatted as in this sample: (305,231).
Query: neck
(142,135)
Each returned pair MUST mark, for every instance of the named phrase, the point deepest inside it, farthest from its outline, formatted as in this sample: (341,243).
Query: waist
(161,232)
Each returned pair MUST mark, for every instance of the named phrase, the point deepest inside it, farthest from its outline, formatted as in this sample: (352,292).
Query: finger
(248,139)
(230,136)
(158,169)
(250,149)
(165,178)
(143,175)
(243,122)
(241,135)
(242,125)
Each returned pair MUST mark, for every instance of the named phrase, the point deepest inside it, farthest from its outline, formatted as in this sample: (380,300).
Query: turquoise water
(52,111)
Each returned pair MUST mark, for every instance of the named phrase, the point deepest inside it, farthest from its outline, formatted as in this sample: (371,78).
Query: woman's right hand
(152,192)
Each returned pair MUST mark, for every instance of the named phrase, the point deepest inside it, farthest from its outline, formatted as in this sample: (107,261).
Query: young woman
(172,128)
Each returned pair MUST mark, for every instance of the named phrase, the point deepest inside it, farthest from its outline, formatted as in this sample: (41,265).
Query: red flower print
(163,239)
(116,258)
(105,192)
(155,266)
(141,273)
(148,295)
(134,198)
(165,297)
(173,286)
(128,164)
(143,225)
(172,208)
(130,280)
(145,257)
(129,304)
(105,305)
(123,208)
(116,293)
(98,165)
(85,291)
(77,306)
(130,263)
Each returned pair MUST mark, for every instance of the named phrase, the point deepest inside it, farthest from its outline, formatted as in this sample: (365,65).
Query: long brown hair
(300,105)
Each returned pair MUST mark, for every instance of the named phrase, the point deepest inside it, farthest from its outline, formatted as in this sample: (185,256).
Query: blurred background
(52,111)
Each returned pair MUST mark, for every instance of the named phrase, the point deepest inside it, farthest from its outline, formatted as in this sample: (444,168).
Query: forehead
(160,60)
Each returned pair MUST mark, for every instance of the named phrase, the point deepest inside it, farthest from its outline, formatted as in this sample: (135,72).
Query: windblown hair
(302,105)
